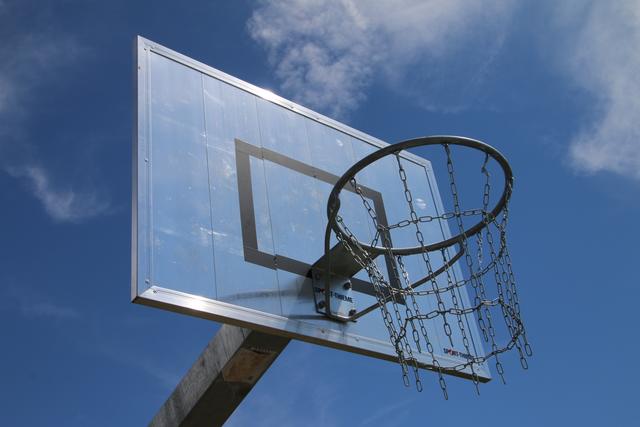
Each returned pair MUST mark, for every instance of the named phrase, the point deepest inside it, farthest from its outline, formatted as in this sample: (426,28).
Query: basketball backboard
(229,208)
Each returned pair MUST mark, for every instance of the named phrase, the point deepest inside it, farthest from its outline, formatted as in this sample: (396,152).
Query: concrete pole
(226,371)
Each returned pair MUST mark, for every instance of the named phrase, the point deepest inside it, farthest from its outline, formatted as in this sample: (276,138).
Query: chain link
(409,325)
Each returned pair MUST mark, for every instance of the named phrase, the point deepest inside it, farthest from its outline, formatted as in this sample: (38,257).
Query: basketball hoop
(486,270)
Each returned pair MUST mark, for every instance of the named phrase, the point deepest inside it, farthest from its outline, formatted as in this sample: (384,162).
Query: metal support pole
(226,371)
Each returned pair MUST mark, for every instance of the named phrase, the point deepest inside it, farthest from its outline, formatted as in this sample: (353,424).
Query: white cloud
(48,310)
(30,61)
(603,58)
(321,50)
(437,53)
(128,356)
(62,204)
(327,52)
(383,411)
(32,304)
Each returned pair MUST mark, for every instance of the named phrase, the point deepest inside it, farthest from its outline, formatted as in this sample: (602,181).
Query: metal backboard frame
(146,290)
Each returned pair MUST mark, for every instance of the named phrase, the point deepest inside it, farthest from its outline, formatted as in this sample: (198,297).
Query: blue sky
(553,85)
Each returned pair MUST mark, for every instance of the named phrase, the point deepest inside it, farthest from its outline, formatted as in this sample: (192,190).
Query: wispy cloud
(602,57)
(438,53)
(327,52)
(34,305)
(384,410)
(62,204)
(166,377)
(30,62)
(321,50)
(48,309)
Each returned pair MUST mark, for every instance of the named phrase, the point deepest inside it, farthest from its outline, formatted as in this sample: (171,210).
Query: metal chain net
(487,276)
